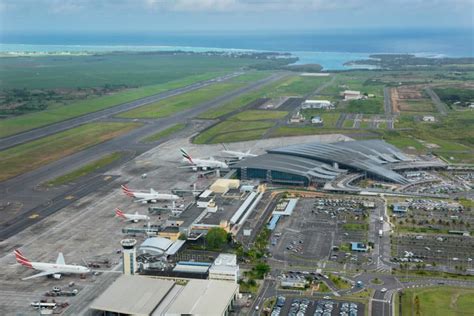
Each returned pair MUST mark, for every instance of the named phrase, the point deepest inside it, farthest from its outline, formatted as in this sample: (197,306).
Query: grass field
(305,130)
(421,105)
(29,121)
(453,136)
(258,115)
(444,301)
(368,106)
(130,69)
(232,131)
(164,133)
(34,154)
(184,101)
(85,170)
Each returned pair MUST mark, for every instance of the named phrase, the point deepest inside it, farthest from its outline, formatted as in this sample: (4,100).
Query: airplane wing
(187,167)
(143,200)
(60,259)
(44,273)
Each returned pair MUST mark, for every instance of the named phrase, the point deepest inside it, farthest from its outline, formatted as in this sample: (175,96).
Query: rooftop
(314,160)
(204,297)
(133,295)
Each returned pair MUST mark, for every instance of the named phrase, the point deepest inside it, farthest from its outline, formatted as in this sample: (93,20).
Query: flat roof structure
(143,296)
(204,297)
(133,295)
(318,162)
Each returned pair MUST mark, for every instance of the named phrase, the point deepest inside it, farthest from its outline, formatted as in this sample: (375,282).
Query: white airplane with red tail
(131,217)
(148,197)
(54,269)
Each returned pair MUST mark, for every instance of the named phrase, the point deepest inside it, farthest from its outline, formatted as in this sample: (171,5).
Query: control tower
(129,256)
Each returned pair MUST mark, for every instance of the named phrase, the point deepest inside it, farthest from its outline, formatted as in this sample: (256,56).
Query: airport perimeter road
(40,132)
(440,106)
(23,188)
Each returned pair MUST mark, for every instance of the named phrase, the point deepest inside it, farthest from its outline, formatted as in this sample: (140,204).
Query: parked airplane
(54,269)
(149,197)
(131,217)
(202,164)
(237,154)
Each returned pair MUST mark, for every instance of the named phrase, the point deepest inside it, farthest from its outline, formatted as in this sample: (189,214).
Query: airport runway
(47,130)
(24,188)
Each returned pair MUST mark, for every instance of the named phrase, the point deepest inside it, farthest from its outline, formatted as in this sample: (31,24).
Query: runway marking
(33,216)
(107,178)
(69,197)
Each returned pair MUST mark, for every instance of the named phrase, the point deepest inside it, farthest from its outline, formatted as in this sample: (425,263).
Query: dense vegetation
(400,61)
(455,96)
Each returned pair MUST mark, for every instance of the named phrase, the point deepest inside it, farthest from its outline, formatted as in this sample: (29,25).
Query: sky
(18,16)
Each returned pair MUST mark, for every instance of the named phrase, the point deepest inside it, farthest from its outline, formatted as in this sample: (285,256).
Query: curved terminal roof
(315,160)
(157,245)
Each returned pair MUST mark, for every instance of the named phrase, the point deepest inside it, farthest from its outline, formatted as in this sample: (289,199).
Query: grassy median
(187,100)
(85,170)
(29,156)
(164,133)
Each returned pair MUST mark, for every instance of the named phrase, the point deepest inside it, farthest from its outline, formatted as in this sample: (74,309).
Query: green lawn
(229,131)
(34,154)
(258,115)
(33,120)
(339,282)
(354,226)
(164,133)
(444,301)
(348,123)
(368,106)
(187,100)
(85,170)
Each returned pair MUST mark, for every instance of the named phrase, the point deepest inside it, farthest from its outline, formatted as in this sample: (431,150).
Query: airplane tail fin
(119,213)
(186,155)
(248,152)
(60,259)
(127,191)
(153,191)
(21,259)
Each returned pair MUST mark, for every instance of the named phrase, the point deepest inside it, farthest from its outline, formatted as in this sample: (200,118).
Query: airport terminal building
(318,163)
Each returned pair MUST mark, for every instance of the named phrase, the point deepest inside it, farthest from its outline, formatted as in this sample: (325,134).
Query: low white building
(225,268)
(317,120)
(352,95)
(429,118)
(317,104)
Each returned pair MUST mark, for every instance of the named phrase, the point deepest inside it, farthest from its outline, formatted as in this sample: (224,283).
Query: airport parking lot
(449,250)
(304,306)
(321,229)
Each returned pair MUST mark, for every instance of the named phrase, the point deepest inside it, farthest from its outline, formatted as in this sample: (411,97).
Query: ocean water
(331,49)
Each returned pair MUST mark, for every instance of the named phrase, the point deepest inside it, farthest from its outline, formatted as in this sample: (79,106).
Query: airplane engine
(135,221)
(153,201)
(204,168)
(57,276)
(195,169)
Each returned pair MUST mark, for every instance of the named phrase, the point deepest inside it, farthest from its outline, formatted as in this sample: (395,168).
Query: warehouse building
(317,104)
(317,163)
(144,296)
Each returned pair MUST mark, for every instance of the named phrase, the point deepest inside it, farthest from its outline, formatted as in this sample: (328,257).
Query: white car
(383,290)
